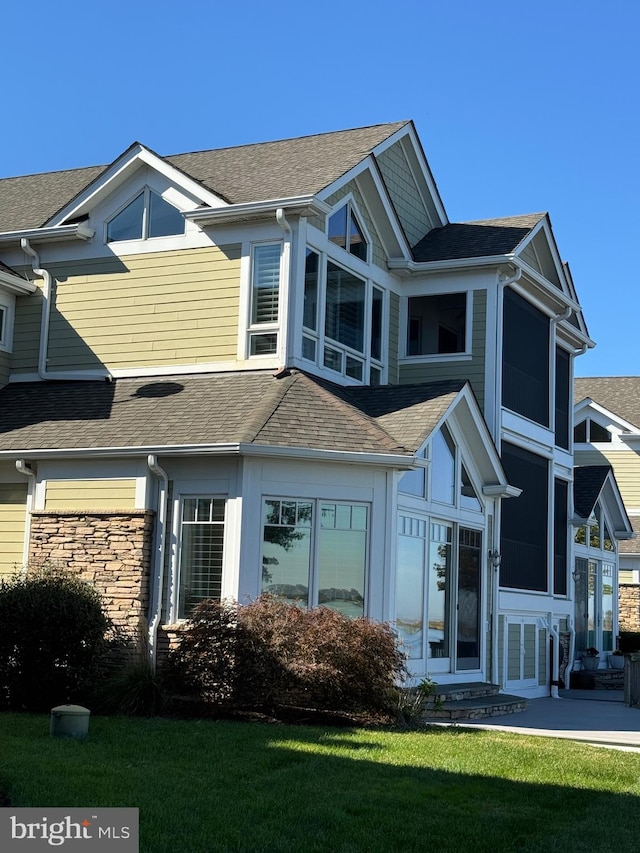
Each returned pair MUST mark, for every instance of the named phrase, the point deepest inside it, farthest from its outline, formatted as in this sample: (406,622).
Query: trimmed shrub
(629,641)
(270,654)
(53,639)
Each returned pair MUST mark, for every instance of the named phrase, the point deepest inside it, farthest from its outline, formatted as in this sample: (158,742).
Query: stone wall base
(110,550)
(629,606)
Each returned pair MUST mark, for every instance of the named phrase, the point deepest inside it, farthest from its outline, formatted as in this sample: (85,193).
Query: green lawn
(203,787)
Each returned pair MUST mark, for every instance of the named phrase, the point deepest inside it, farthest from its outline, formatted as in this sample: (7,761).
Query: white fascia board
(35,454)
(610,418)
(548,289)
(294,205)
(48,234)
(410,268)
(501,491)
(544,225)
(119,171)
(15,284)
(370,166)
(410,132)
(383,195)
(399,461)
(402,462)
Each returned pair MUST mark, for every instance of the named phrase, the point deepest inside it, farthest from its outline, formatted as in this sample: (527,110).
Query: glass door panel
(592,616)
(607,608)
(468,605)
(439,596)
(410,585)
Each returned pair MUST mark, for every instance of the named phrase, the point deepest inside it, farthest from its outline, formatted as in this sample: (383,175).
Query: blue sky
(520,107)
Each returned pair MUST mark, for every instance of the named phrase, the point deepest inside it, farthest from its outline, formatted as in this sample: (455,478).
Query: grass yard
(203,787)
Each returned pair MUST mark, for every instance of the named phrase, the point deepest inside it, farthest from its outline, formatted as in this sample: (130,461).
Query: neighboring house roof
(588,481)
(266,170)
(295,410)
(482,238)
(631,546)
(619,394)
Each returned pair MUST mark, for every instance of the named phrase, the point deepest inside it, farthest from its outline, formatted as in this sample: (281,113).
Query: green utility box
(69,721)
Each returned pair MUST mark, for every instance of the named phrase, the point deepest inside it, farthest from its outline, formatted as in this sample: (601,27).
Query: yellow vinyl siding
(13,500)
(163,308)
(433,370)
(626,467)
(91,494)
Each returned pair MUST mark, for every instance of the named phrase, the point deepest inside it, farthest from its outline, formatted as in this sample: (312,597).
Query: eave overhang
(501,491)
(50,234)
(14,284)
(398,461)
(256,210)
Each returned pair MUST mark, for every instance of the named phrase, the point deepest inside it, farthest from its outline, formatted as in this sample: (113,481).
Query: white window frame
(320,339)
(445,356)
(350,203)
(7,309)
(314,556)
(254,329)
(146,190)
(176,562)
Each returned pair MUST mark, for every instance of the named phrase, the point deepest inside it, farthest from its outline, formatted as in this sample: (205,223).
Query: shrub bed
(269,655)
(53,639)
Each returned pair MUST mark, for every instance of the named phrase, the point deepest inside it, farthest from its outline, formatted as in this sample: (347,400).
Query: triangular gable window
(468,497)
(345,231)
(147,215)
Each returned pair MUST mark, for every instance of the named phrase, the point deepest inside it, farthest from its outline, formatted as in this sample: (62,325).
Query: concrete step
(477,708)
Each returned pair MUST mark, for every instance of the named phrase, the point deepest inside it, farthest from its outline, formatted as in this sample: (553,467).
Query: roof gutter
(307,205)
(47,291)
(52,234)
(411,268)
(395,460)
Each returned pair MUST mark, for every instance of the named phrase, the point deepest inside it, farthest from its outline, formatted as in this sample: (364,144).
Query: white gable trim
(604,416)
(368,166)
(118,173)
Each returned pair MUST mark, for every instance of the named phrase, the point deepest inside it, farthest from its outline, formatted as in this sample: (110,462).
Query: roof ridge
(351,410)
(268,405)
(291,138)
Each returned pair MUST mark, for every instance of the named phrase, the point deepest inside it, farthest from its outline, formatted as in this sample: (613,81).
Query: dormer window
(147,215)
(590,432)
(345,231)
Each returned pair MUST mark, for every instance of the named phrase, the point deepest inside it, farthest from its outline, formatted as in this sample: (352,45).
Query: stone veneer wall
(629,606)
(111,550)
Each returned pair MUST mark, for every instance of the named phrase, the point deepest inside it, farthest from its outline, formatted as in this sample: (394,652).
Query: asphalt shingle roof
(266,170)
(618,394)
(295,410)
(588,481)
(631,546)
(478,239)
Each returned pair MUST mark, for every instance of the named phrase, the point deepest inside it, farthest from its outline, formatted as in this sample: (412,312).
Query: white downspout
(47,290)
(23,468)
(155,608)
(555,670)
(283,301)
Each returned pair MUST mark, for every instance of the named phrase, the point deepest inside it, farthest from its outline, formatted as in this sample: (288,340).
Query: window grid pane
(265,283)
(201,552)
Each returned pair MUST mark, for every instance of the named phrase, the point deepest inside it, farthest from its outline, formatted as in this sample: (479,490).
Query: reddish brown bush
(270,654)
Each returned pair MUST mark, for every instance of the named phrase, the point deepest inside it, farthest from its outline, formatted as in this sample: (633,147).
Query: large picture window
(525,359)
(437,325)
(201,551)
(349,340)
(315,553)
